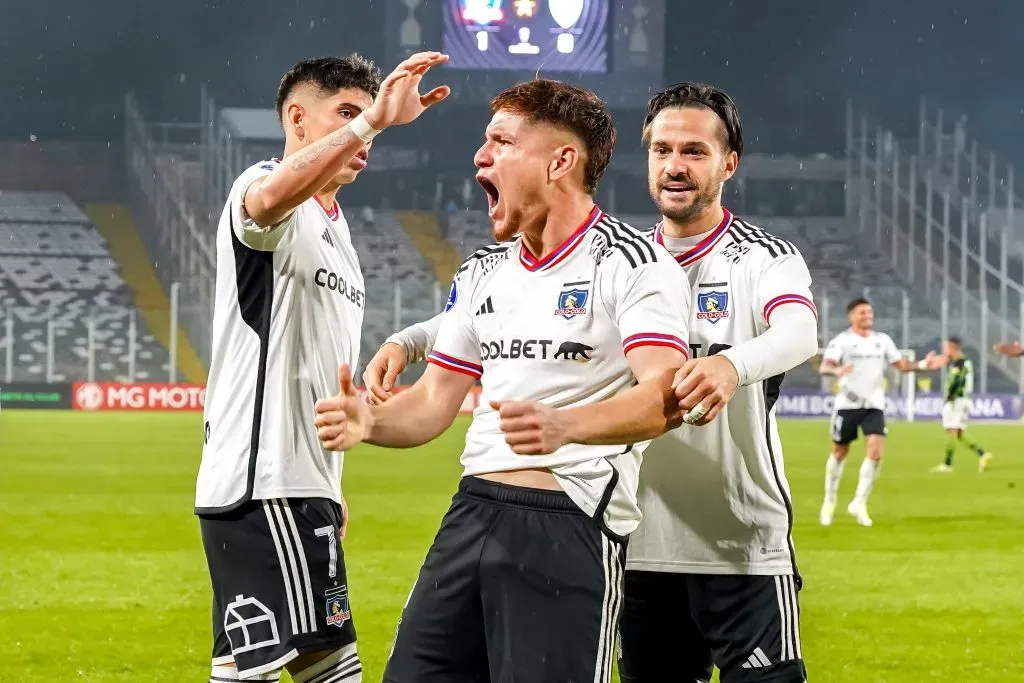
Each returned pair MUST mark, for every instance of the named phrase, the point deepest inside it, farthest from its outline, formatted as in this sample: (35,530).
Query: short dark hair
(859,301)
(330,74)
(954,340)
(579,111)
(701,96)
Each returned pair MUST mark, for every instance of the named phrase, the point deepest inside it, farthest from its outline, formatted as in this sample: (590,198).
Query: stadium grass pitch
(102,578)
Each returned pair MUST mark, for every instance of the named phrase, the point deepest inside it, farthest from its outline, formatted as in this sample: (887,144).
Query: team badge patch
(338,611)
(571,303)
(453,296)
(712,306)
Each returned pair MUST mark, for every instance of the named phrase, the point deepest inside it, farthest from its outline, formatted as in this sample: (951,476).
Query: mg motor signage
(92,396)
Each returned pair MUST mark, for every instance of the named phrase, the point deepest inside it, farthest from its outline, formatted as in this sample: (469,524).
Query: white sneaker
(825,516)
(859,511)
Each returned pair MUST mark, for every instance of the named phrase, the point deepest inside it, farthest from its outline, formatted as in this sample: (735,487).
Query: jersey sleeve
(457,347)
(784,282)
(892,354)
(652,305)
(834,351)
(244,227)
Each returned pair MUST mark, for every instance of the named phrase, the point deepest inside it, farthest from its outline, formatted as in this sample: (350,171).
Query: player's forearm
(420,414)
(828,368)
(301,175)
(643,412)
(791,340)
(418,340)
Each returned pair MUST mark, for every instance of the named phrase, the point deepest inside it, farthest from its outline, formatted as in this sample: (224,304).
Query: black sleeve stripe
(614,244)
(629,241)
(484,252)
(775,246)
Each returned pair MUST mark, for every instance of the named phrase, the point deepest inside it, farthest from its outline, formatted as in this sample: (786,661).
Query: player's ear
(732,162)
(566,158)
(295,115)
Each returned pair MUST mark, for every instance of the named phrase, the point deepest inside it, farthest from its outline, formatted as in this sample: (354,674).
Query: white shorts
(955,413)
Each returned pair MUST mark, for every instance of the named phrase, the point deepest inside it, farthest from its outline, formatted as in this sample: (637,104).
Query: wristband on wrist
(361,128)
(922,365)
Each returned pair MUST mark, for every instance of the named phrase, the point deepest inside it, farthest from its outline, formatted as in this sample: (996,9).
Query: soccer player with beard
(711,571)
(575,324)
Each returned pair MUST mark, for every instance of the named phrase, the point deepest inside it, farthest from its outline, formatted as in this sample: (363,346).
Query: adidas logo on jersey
(486,308)
(327,237)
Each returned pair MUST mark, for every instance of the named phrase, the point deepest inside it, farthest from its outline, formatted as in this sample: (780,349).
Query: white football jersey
(557,330)
(870,356)
(715,498)
(288,311)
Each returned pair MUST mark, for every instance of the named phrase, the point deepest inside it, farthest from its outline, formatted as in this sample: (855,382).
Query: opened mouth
(491,190)
(362,154)
(678,187)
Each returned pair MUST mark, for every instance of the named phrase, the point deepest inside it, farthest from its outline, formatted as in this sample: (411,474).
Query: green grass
(102,577)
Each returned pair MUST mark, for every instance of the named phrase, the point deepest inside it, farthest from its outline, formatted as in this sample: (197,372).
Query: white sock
(868,473)
(341,666)
(833,473)
(223,674)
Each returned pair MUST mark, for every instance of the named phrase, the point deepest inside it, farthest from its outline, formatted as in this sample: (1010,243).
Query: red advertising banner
(94,396)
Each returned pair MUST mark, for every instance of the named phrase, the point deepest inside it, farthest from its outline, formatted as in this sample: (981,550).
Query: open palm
(399,100)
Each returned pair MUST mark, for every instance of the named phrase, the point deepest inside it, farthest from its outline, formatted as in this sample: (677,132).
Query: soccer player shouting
(289,310)
(712,576)
(575,324)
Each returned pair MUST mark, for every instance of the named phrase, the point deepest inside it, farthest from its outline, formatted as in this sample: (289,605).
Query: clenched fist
(530,427)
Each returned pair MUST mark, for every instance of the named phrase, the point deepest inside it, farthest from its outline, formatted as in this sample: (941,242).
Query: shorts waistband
(519,496)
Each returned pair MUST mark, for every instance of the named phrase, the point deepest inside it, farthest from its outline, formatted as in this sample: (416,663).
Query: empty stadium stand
(57,279)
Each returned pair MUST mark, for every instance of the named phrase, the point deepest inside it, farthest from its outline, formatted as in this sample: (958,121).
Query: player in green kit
(959,386)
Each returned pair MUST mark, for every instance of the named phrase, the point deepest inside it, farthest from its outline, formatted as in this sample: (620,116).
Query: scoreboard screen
(527,35)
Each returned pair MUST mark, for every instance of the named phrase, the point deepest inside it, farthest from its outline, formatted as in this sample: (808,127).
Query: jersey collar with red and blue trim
(532,264)
(705,246)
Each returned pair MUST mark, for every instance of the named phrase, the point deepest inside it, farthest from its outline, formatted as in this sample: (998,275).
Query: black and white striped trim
(492,250)
(775,246)
(614,565)
(341,666)
(229,674)
(632,243)
(789,613)
(294,569)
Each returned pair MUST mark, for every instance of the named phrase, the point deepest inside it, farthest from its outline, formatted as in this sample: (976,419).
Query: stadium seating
(393,270)
(56,275)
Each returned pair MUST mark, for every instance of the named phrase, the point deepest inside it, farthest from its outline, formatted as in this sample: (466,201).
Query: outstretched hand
(1012,349)
(343,420)
(399,100)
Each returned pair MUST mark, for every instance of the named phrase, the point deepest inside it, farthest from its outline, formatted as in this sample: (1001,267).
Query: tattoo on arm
(310,154)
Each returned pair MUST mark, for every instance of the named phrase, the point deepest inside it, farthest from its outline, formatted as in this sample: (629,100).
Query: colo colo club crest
(571,303)
(712,306)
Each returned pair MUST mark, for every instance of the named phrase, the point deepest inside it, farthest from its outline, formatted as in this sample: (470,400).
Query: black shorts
(846,422)
(519,585)
(279,583)
(675,627)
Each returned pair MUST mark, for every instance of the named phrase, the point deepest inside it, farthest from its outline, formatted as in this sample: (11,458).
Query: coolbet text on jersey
(288,312)
(557,330)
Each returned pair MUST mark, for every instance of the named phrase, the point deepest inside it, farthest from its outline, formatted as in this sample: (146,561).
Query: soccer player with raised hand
(712,577)
(576,325)
(288,311)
